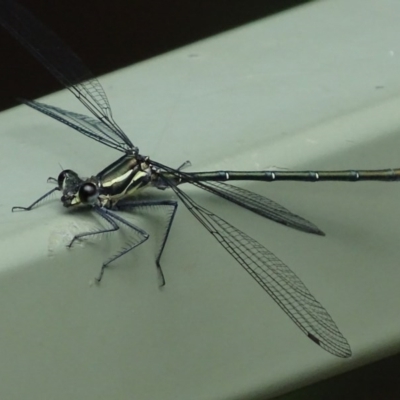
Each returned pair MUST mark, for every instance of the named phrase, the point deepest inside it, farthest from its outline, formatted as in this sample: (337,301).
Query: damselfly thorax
(121,180)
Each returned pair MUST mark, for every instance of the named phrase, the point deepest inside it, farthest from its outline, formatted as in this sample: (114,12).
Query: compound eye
(88,193)
(62,177)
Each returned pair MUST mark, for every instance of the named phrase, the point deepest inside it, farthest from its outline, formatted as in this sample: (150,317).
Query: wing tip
(343,351)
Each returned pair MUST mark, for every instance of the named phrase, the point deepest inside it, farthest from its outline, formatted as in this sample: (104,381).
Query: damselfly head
(76,191)
(86,193)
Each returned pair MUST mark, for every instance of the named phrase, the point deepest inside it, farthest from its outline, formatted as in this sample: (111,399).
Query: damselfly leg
(41,198)
(111,217)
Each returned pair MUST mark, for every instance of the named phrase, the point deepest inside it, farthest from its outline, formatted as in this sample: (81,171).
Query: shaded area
(110,35)
(379,380)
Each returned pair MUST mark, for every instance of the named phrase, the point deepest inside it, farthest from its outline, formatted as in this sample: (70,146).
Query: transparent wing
(252,201)
(90,127)
(60,60)
(260,205)
(275,277)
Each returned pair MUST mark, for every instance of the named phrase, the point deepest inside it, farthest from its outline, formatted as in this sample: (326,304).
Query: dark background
(108,35)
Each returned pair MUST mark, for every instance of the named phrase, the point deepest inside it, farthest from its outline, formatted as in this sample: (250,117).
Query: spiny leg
(184,165)
(35,202)
(156,203)
(114,227)
(110,217)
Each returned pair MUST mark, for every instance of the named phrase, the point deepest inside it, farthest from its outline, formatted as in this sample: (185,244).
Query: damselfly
(116,187)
